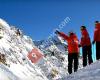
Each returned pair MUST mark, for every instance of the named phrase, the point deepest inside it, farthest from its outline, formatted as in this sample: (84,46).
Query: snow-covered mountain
(53,41)
(15,65)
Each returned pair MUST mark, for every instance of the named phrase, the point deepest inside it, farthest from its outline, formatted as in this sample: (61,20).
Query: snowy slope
(91,72)
(15,48)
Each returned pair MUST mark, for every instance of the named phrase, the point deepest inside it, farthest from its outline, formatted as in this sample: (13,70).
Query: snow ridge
(16,65)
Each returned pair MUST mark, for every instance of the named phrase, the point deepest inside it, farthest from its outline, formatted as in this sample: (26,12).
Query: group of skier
(85,43)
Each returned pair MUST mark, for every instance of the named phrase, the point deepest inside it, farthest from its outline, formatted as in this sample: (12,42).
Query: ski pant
(72,57)
(97,50)
(87,53)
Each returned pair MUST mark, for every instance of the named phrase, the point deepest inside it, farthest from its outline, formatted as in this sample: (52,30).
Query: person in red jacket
(73,49)
(86,46)
(97,39)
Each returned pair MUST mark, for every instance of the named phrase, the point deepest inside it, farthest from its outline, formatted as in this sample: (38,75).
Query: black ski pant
(72,57)
(87,53)
(97,50)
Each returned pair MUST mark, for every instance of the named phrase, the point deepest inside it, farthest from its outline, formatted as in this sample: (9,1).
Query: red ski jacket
(97,32)
(85,39)
(72,42)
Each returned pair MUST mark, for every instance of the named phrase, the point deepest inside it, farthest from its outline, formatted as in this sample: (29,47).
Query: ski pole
(93,49)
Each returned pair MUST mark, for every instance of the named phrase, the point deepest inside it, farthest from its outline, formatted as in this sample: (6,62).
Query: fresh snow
(16,48)
(91,72)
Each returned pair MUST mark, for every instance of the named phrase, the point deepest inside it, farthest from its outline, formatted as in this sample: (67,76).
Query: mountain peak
(3,23)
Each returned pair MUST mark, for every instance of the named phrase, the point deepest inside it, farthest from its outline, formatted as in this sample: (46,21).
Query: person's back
(85,39)
(97,32)
(73,50)
(97,39)
(72,41)
(73,44)
(86,46)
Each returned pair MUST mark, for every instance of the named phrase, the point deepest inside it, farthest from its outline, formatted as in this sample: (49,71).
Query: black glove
(93,42)
(57,32)
(79,45)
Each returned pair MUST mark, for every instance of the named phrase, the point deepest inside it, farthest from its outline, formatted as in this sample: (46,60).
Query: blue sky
(38,18)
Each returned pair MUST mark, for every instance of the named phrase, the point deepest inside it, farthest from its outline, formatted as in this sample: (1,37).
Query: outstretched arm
(62,35)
